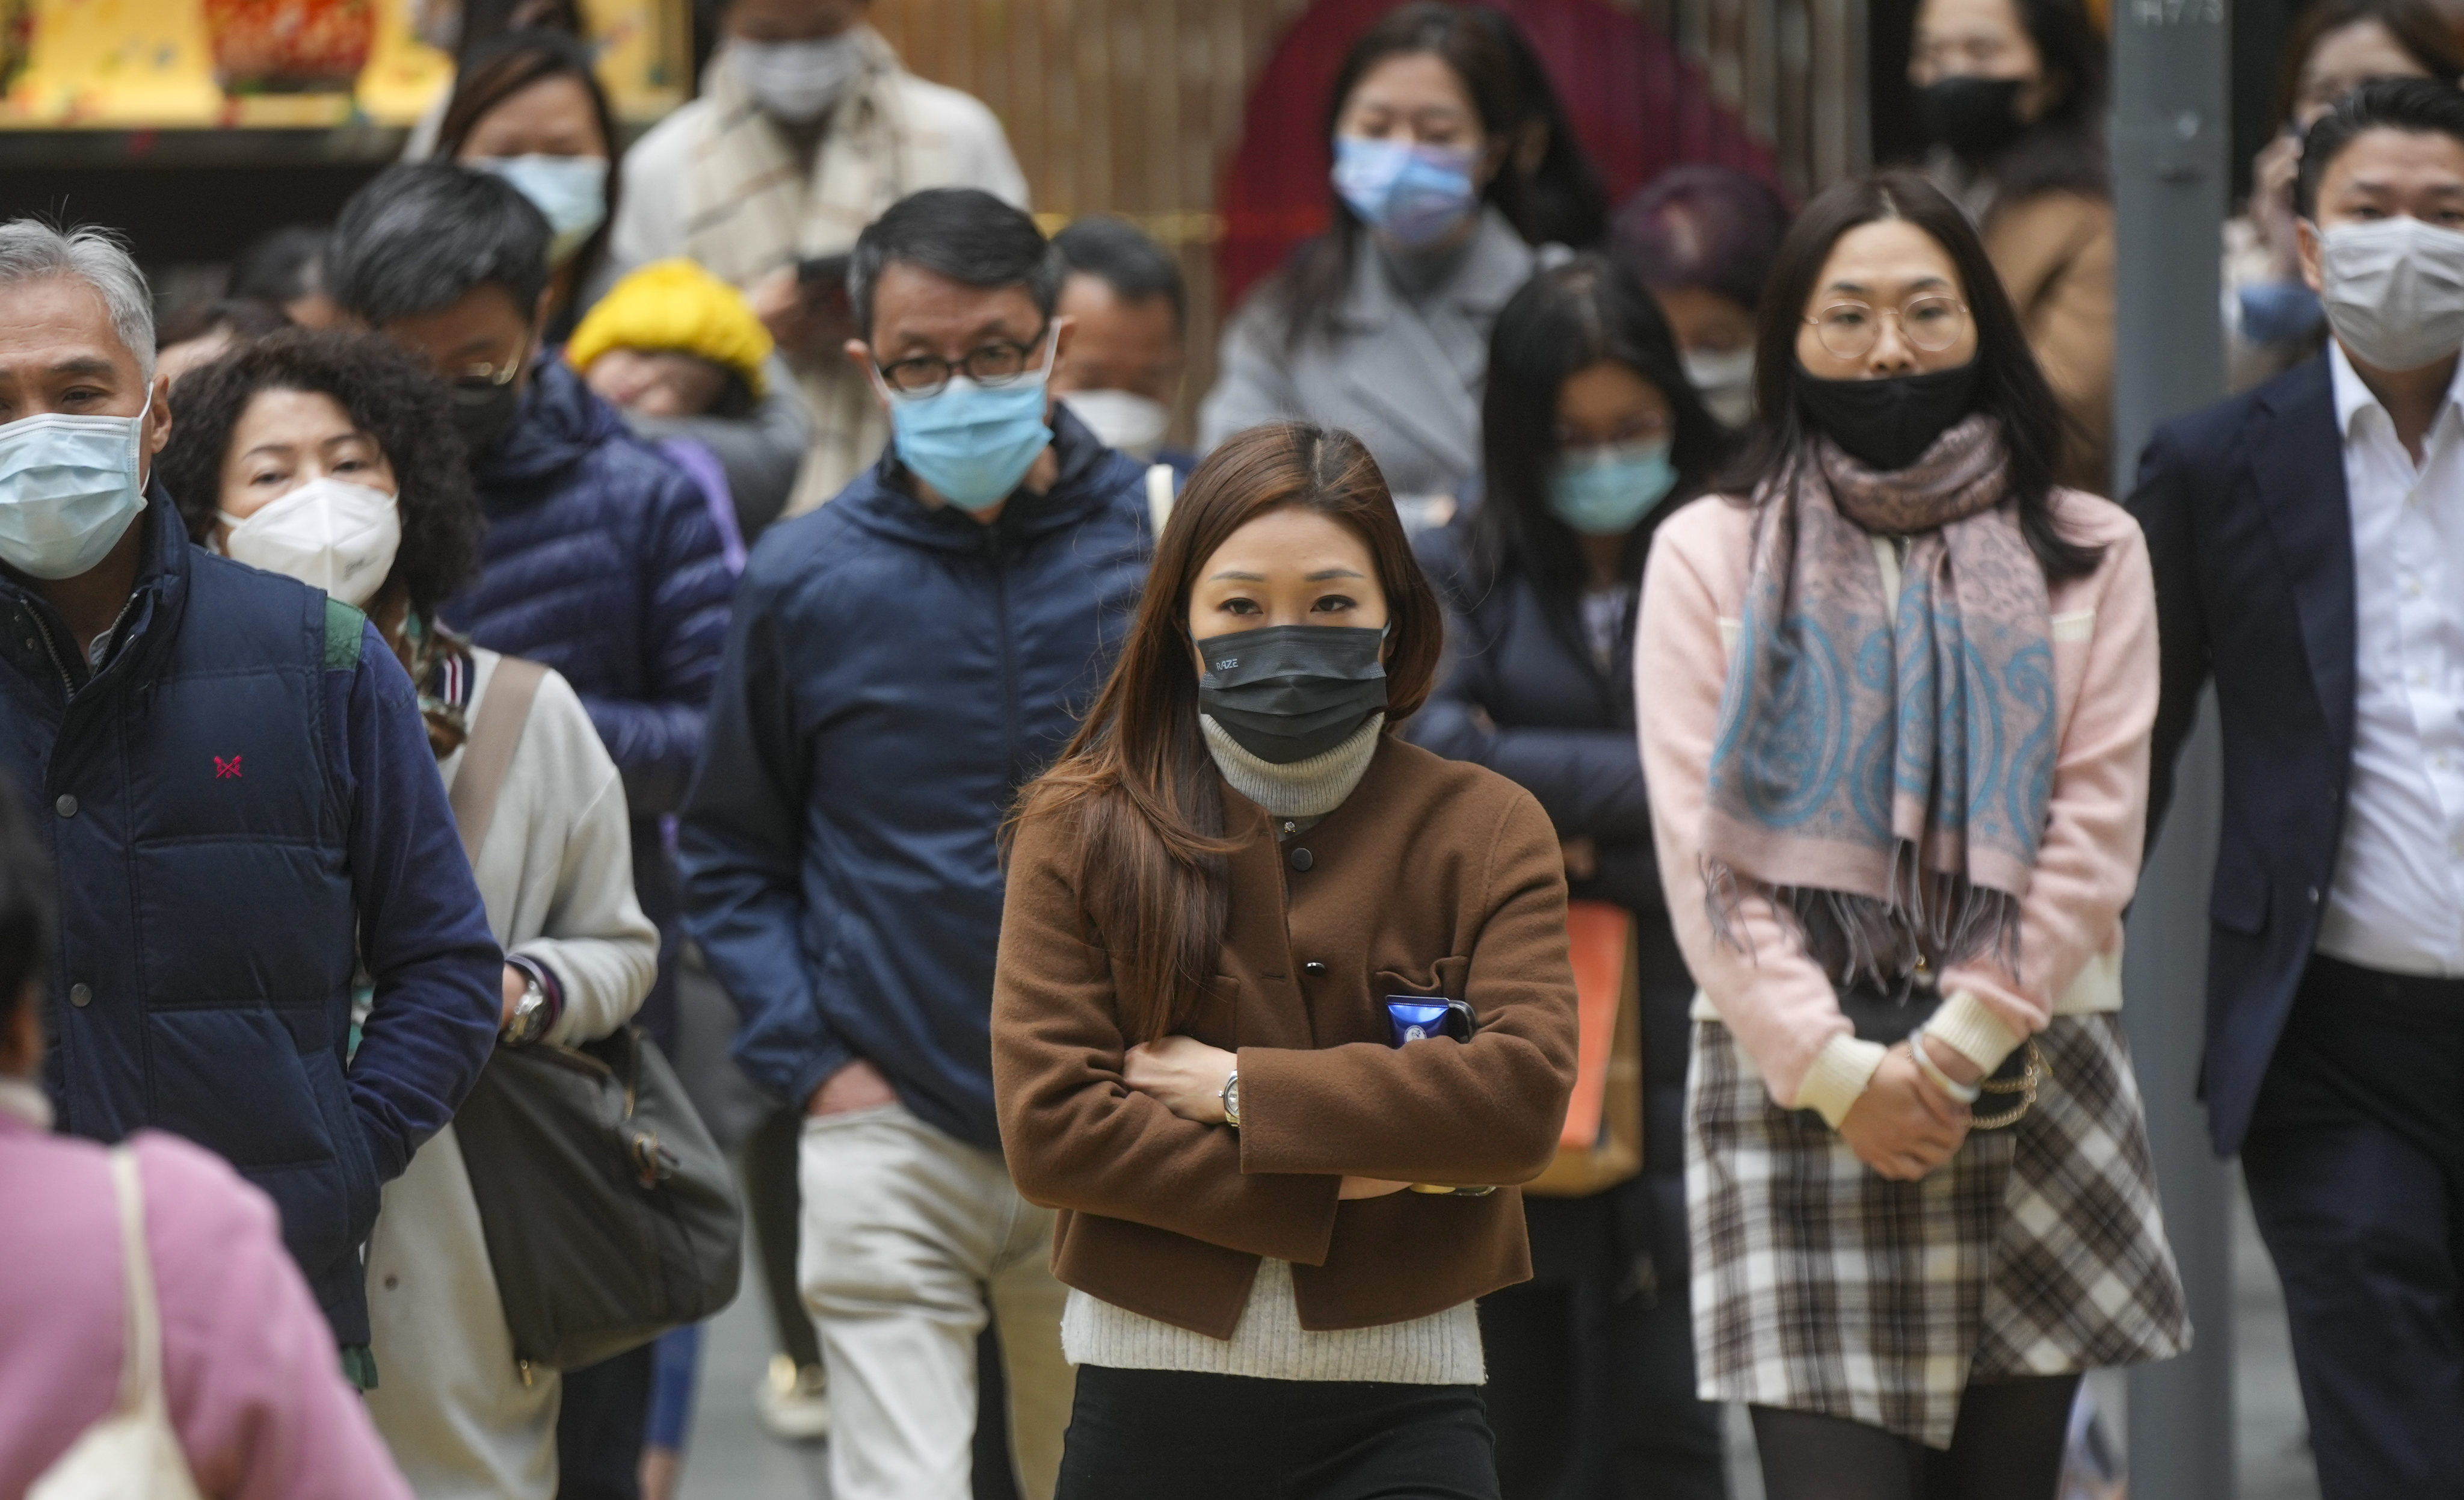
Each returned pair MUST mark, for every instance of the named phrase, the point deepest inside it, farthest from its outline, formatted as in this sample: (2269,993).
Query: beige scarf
(755,209)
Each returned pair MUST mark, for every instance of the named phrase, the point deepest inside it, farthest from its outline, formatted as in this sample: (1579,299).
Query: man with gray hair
(230,775)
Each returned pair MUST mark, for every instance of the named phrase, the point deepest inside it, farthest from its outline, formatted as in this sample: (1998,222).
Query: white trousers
(911,1239)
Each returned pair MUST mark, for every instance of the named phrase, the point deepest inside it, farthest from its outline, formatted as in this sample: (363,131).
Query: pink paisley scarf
(1881,771)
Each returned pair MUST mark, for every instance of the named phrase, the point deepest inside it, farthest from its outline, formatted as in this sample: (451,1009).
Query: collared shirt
(2397,903)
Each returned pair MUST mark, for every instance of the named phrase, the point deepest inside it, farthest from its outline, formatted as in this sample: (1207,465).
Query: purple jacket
(254,1381)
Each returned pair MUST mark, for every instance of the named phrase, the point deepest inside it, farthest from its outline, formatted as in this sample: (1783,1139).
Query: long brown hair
(1143,800)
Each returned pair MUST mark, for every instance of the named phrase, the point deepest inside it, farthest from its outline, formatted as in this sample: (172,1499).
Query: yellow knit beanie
(675,305)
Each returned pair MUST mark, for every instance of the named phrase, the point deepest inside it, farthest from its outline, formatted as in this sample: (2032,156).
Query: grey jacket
(1404,376)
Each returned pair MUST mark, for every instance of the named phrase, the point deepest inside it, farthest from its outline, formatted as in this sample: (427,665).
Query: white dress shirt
(2397,903)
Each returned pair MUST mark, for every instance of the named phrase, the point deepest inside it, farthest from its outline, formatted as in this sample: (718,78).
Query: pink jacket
(252,1378)
(1776,999)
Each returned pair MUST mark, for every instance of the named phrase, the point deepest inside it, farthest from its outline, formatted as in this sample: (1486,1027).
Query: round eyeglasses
(1850,330)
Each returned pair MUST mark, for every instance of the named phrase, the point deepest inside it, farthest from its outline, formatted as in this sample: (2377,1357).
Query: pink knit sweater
(252,1377)
(1774,998)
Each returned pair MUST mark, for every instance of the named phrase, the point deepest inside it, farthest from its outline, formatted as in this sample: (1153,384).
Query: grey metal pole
(2171,131)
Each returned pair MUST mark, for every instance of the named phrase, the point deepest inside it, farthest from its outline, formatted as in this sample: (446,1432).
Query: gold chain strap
(2033,1071)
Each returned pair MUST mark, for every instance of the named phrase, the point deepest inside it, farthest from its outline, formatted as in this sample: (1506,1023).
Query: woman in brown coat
(2011,92)
(1222,1039)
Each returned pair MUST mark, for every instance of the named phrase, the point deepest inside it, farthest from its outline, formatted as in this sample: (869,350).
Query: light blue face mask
(1412,195)
(973,442)
(569,191)
(68,490)
(1604,491)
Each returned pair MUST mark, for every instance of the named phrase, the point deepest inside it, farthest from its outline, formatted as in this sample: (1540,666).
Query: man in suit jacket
(2308,543)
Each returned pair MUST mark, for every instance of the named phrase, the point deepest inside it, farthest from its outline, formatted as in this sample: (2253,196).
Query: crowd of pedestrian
(1550,855)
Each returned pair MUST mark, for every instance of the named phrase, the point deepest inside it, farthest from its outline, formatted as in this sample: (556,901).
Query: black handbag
(610,1213)
(1889,1013)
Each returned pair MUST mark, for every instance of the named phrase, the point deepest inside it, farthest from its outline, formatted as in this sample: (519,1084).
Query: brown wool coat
(2055,253)
(1435,877)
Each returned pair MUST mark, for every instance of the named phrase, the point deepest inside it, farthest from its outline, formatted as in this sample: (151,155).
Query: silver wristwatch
(530,1017)
(1232,1098)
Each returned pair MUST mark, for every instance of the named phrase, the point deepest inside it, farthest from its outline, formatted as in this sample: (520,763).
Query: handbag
(1890,1014)
(1601,1142)
(132,1453)
(610,1215)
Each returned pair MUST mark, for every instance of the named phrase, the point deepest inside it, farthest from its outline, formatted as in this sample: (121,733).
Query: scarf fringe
(1935,916)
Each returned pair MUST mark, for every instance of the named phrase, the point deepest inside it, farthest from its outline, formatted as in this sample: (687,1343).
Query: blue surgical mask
(1412,195)
(569,191)
(1604,491)
(973,442)
(68,490)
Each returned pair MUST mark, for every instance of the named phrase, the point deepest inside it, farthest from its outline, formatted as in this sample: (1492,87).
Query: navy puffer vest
(188,799)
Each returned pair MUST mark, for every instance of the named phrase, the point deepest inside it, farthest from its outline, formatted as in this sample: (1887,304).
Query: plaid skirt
(1820,1285)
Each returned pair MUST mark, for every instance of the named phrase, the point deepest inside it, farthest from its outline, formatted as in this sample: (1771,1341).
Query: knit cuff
(1970,1027)
(1839,1074)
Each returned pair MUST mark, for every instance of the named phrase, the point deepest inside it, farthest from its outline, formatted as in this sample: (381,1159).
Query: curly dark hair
(389,396)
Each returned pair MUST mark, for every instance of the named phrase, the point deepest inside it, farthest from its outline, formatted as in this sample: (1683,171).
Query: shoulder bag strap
(1160,497)
(141,1368)
(489,753)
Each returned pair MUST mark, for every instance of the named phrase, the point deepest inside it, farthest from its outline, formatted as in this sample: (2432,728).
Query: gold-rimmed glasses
(1932,323)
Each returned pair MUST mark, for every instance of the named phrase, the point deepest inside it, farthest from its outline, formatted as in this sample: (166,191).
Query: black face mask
(1974,117)
(482,418)
(1289,691)
(1888,423)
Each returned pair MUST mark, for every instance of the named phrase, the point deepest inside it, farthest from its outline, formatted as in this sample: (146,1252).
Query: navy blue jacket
(893,676)
(2251,535)
(601,560)
(1519,691)
(241,801)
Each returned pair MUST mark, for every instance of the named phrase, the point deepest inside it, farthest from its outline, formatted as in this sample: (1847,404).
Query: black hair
(280,265)
(1564,200)
(418,237)
(245,318)
(2416,106)
(2414,24)
(1308,291)
(389,395)
(965,234)
(2062,150)
(2009,384)
(1118,254)
(25,902)
(1565,320)
(497,70)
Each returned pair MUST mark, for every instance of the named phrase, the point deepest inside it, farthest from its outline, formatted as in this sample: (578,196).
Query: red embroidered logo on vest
(227,770)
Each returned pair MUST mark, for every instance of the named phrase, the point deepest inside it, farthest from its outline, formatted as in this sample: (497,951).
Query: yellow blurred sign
(117,62)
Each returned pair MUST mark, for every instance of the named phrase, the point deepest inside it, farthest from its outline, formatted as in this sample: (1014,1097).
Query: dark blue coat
(2251,535)
(601,560)
(1520,692)
(893,676)
(240,802)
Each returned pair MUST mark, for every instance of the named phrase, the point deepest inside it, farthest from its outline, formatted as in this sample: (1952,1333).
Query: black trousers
(1139,1434)
(2355,1162)
(1591,1363)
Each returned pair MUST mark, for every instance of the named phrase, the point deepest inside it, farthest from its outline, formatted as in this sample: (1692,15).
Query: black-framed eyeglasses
(997,363)
(1932,323)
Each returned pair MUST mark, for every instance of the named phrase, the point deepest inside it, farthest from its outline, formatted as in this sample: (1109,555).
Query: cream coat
(557,875)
